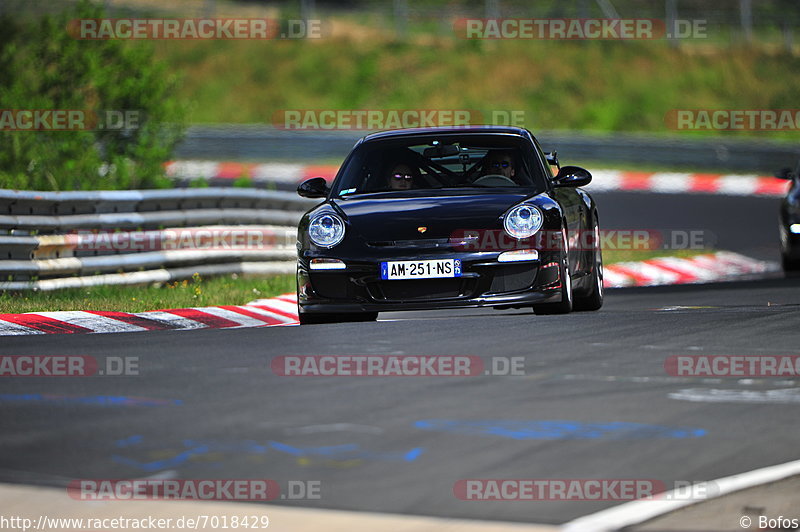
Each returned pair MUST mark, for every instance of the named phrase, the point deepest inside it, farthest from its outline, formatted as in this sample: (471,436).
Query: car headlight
(523,221)
(326,230)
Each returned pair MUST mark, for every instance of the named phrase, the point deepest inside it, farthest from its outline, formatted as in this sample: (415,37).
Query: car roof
(463,130)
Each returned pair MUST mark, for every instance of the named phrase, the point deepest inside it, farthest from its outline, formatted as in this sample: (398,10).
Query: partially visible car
(790,220)
(480,221)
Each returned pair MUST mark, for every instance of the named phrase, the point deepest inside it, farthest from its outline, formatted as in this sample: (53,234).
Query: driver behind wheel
(497,162)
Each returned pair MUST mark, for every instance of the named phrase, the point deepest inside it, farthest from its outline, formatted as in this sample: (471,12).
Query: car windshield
(430,165)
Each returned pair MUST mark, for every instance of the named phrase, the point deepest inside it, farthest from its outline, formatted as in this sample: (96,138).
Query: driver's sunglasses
(403,176)
(500,164)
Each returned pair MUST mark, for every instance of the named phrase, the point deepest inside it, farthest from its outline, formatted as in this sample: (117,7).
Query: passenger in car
(402,176)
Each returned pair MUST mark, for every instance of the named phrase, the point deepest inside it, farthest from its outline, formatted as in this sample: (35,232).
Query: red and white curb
(267,172)
(603,180)
(281,310)
(708,268)
(686,183)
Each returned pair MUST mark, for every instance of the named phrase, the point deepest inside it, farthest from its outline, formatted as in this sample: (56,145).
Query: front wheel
(788,252)
(565,305)
(593,299)
(790,264)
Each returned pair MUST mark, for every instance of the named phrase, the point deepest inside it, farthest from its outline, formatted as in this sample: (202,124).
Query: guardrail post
(671,16)
(210,8)
(401,18)
(746,16)
(492,9)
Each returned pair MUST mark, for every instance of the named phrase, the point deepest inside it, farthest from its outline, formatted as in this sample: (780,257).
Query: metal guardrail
(51,240)
(255,142)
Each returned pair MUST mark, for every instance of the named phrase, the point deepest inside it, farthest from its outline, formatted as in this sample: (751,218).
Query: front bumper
(485,282)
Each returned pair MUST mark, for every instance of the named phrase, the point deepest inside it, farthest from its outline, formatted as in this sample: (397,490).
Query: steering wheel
(495,180)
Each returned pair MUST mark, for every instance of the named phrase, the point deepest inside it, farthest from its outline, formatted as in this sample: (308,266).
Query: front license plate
(420,269)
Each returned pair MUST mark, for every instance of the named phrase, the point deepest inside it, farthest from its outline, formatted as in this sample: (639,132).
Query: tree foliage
(43,67)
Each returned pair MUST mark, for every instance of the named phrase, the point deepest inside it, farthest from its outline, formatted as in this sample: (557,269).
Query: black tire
(789,264)
(318,318)
(565,305)
(593,299)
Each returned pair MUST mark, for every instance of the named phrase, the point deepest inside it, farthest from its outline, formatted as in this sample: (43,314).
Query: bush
(45,68)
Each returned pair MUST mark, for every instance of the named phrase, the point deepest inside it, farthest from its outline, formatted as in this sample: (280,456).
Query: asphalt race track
(734,223)
(206,404)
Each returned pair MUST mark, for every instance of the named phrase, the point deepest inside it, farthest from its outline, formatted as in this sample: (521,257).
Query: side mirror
(316,187)
(572,176)
(785,173)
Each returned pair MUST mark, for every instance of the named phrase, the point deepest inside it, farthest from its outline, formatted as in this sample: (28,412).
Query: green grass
(180,294)
(598,86)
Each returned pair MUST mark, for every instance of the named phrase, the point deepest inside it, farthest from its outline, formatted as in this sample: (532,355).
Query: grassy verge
(181,294)
(596,86)
(206,292)
(610,256)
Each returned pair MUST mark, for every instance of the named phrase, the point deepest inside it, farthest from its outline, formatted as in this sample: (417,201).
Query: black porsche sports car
(790,220)
(436,218)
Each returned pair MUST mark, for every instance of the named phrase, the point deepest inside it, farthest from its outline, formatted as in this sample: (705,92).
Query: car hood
(400,218)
